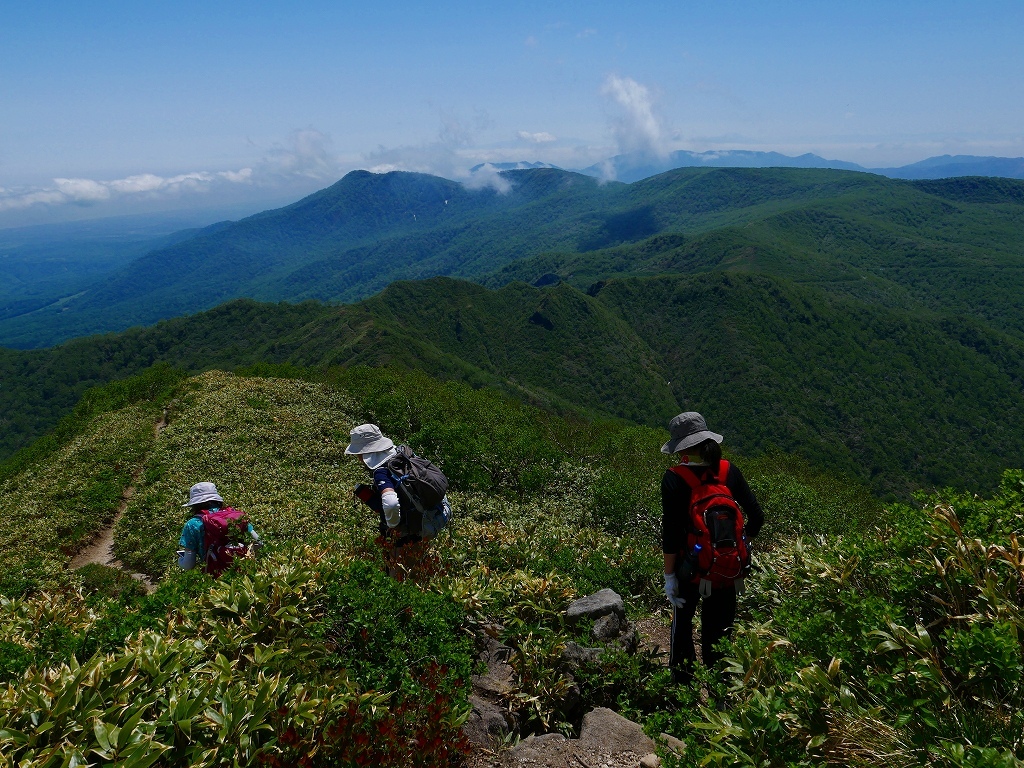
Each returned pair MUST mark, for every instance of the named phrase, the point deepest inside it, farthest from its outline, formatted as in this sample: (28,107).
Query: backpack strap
(688,474)
(695,479)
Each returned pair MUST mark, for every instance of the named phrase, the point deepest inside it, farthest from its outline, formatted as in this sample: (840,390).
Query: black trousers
(717,614)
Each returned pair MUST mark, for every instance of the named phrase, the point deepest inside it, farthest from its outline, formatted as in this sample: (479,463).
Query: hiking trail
(101,548)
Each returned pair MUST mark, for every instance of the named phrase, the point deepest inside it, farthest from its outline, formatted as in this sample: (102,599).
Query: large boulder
(487,723)
(606,739)
(610,732)
(602,603)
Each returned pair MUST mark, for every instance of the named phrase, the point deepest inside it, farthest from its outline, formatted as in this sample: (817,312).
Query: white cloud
(635,125)
(488,177)
(585,33)
(543,137)
(606,170)
(83,192)
(448,156)
(305,155)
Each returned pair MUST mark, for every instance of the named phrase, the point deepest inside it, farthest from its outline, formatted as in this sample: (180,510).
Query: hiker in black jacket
(700,460)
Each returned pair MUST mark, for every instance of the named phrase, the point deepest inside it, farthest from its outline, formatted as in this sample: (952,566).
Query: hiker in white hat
(212,534)
(708,515)
(408,492)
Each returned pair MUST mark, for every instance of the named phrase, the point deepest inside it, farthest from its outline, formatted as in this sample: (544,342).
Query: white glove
(186,559)
(672,590)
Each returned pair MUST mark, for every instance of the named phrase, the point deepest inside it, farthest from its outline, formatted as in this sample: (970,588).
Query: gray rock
(573,697)
(493,650)
(576,655)
(650,761)
(495,681)
(498,677)
(539,748)
(610,732)
(546,738)
(608,627)
(676,745)
(601,603)
(629,639)
(487,723)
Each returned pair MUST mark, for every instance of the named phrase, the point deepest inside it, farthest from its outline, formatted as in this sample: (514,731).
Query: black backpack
(421,481)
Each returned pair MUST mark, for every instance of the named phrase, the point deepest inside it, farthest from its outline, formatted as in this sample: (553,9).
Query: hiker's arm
(186,559)
(190,543)
(392,508)
(256,540)
(741,492)
(670,562)
(675,510)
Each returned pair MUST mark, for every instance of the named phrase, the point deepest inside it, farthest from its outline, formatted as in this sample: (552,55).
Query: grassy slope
(274,446)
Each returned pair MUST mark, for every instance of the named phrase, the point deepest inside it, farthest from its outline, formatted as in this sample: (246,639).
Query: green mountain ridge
(901,400)
(872,325)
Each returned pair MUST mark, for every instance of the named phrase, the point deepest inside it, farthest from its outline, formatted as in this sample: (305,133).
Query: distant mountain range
(351,240)
(872,324)
(637,166)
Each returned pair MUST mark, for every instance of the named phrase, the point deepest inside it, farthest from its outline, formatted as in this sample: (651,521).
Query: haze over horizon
(119,108)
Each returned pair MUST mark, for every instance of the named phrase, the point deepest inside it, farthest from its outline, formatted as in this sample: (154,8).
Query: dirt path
(101,549)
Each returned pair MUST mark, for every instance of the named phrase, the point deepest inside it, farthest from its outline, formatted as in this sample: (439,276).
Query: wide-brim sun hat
(367,438)
(201,493)
(688,430)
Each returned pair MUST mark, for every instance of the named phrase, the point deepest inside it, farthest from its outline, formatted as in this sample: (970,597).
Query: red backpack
(716,549)
(224,534)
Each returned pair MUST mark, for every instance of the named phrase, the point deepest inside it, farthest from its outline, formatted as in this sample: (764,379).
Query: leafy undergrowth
(874,639)
(896,646)
(275,665)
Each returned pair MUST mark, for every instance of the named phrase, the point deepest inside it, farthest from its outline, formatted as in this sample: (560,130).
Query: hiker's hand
(672,591)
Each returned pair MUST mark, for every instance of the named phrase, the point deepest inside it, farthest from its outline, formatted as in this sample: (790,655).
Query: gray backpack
(422,483)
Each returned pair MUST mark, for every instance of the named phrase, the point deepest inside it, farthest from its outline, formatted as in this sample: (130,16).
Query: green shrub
(387,633)
(103,581)
(14,660)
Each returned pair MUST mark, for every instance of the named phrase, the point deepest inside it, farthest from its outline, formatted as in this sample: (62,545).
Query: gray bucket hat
(202,492)
(687,430)
(367,438)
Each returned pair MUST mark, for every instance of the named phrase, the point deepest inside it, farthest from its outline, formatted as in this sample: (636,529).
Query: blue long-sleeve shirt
(192,535)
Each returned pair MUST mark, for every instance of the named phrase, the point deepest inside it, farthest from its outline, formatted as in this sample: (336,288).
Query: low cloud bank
(305,156)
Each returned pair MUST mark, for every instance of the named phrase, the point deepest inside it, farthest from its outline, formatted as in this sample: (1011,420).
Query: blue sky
(108,107)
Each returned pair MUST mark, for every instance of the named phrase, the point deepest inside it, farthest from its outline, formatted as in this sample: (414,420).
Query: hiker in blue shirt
(202,498)
(401,523)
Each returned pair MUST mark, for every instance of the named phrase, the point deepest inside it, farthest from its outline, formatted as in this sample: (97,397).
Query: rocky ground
(607,740)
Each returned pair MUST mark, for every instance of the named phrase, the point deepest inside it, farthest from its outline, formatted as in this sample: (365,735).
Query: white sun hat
(367,438)
(202,492)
